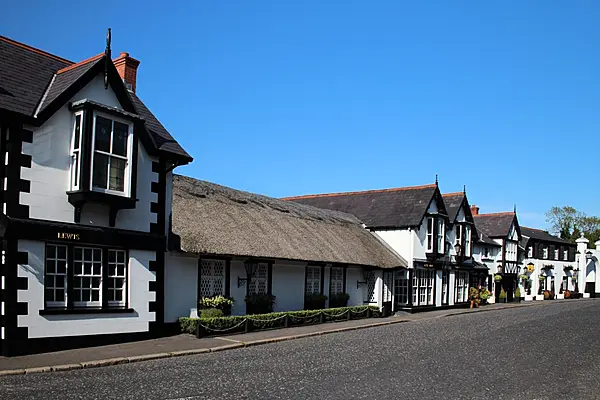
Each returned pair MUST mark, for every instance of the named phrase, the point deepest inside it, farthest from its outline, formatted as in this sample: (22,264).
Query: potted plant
(474,298)
(339,300)
(518,294)
(502,296)
(484,295)
(218,302)
(548,295)
(497,278)
(567,294)
(259,303)
(314,301)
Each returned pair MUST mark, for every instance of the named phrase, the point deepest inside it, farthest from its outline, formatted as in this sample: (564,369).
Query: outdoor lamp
(588,255)
(250,267)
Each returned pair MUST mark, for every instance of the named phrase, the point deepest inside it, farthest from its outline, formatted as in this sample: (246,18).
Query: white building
(588,265)
(84,216)
(244,246)
(436,241)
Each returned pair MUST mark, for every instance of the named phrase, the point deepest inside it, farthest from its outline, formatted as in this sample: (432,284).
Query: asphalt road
(534,353)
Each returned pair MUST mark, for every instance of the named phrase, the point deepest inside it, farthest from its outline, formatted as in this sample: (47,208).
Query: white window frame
(467,240)
(556,253)
(458,234)
(545,253)
(336,280)
(423,281)
(76,153)
(313,280)
(112,278)
(530,251)
(462,287)
(128,159)
(441,235)
(91,276)
(56,259)
(429,234)
(565,255)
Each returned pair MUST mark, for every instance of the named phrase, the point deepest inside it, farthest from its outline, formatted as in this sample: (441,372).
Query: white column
(379,288)
(451,285)
(582,247)
(438,288)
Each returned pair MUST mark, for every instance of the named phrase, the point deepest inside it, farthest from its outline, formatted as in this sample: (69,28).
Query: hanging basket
(497,278)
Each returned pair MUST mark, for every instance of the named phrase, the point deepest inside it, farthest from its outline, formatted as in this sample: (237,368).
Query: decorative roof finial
(464,189)
(515,208)
(107,59)
(436,180)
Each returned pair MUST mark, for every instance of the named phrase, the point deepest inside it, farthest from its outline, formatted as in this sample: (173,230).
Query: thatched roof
(214,219)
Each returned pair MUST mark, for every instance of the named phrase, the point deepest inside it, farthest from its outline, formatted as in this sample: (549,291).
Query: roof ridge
(309,196)
(80,63)
(536,229)
(497,213)
(453,194)
(33,49)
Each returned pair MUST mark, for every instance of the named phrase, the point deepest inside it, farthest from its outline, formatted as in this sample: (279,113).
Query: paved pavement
(536,352)
(186,344)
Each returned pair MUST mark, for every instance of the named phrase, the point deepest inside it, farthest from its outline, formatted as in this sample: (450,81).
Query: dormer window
(76,151)
(441,234)
(467,240)
(111,155)
(430,222)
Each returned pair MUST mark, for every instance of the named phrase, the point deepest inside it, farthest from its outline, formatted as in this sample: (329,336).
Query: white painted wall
(84,324)
(400,241)
(420,235)
(181,290)
(288,285)
(357,295)
(49,173)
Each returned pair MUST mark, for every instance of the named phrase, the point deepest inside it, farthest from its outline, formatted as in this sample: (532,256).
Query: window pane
(62,252)
(120,139)
(117,174)
(100,170)
(103,128)
(50,251)
(77,133)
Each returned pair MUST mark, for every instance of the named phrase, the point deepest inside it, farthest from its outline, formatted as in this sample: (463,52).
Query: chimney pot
(474,210)
(127,69)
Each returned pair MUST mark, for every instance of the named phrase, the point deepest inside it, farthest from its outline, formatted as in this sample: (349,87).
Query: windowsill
(117,200)
(85,310)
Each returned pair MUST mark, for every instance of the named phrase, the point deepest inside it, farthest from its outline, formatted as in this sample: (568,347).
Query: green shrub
(518,292)
(314,301)
(211,313)
(259,303)
(502,294)
(339,300)
(235,324)
(219,302)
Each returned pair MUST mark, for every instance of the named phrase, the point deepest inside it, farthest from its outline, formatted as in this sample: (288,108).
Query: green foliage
(211,313)
(568,223)
(502,294)
(274,320)
(497,278)
(339,300)
(219,302)
(474,293)
(259,303)
(484,294)
(518,292)
(314,301)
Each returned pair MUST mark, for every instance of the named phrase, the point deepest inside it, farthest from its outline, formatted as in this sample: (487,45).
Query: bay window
(458,234)
(441,234)
(467,241)
(111,155)
(76,151)
(429,239)
(85,277)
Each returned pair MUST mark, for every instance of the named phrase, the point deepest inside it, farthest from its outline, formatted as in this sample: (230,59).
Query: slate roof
(494,225)
(485,239)
(25,73)
(539,234)
(385,208)
(212,219)
(31,79)
(453,201)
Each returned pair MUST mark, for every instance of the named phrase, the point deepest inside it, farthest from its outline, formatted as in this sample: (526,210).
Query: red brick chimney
(127,68)
(474,210)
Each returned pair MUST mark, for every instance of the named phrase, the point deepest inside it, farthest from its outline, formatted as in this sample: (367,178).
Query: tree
(568,223)
(563,221)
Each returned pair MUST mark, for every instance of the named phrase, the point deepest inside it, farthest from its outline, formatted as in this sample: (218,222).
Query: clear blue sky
(294,97)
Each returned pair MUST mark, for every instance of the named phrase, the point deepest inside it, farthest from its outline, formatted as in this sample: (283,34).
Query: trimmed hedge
(235,324)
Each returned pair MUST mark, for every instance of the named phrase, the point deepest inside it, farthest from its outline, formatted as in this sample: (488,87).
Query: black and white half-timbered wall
(84,211)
